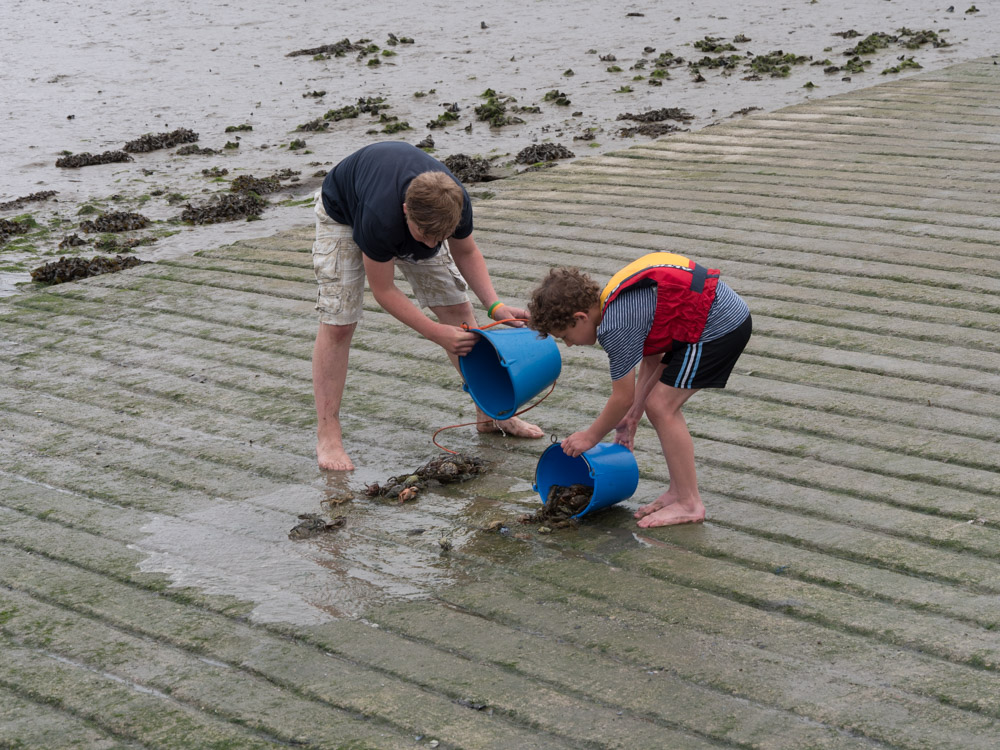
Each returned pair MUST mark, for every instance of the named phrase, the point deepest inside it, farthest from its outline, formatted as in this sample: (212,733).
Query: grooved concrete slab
(157,436)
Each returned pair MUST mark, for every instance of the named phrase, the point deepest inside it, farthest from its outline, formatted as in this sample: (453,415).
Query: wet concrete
(156,447)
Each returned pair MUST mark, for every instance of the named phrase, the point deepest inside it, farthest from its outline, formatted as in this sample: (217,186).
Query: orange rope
(487,421)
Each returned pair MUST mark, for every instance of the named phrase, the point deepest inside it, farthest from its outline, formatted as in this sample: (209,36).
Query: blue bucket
(509,367)
(607,467)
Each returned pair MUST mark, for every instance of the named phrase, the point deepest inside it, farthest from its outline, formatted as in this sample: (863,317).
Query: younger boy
(682,327)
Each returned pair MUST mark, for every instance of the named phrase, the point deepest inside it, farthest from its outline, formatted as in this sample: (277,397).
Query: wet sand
(111,75)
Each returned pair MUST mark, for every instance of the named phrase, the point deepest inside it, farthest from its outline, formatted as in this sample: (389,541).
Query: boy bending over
(388,206)
(681,326)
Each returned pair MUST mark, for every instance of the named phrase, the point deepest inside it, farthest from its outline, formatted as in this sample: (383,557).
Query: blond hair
(434,204)
(562,293)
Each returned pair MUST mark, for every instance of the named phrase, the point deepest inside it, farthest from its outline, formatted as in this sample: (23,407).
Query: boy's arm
(649,374)
(622,397)
(452,339)
(472,266)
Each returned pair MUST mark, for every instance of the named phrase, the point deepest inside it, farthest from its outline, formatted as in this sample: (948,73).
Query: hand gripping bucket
(509,367)
(607,467)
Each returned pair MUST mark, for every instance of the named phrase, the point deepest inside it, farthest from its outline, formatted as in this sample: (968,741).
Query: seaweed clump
(20,202)
(659,115)
(247,183)
(561,505)
(151,142)
(494,110)
(445,469)
(191,149)
(226,207)
(337,49)
(710,44)
(652,123)
(72,240)
(369,104)
(73,269)
(469,168)
(776,64)
(543,152)
(9,227)
(86,159)
(115,221)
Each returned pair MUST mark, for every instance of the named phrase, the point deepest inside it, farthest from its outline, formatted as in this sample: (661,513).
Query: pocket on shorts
(327,258)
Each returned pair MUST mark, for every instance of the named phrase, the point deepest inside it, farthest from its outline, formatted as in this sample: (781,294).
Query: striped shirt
(628,320)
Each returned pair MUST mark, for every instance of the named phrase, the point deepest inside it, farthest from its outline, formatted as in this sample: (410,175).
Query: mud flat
(293,88)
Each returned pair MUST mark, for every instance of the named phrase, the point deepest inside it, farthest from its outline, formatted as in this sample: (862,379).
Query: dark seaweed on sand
(543,152)
(151,142)
(469,169)
(227,207)
(115,221)
(72,269)
(444,469)
(659,115)
(20,202)
(651,129)
(86,159)
(247,183)
(9,227)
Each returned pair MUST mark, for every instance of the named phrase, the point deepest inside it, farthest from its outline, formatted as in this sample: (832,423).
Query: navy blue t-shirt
(366,191)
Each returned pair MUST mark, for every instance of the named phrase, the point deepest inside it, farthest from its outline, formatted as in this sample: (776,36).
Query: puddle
(384,552)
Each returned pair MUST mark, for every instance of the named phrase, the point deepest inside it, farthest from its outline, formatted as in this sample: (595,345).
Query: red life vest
(684,295)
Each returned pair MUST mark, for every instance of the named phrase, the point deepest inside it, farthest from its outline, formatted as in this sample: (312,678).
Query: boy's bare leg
(330,354)
(455,315)
(681,503)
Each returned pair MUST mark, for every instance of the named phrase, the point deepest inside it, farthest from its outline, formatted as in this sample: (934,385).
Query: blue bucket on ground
(607,467)
(509,367)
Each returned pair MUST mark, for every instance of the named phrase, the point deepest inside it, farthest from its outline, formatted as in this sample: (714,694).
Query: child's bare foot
(662,501)
(513,426)
(676,513)
(333,458)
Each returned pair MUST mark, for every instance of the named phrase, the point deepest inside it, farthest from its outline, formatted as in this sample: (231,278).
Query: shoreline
(233,71)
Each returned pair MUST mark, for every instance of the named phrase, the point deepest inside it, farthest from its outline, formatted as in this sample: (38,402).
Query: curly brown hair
(562,293)
(434,204)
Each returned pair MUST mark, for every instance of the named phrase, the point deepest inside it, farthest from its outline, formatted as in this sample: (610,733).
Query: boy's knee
(337,333)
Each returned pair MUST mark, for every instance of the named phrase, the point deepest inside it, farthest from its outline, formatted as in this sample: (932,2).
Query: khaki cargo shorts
(340,273)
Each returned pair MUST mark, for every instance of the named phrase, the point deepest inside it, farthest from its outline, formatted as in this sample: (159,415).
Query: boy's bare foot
(662,501)
(674,514)
(514,426)
(333,458)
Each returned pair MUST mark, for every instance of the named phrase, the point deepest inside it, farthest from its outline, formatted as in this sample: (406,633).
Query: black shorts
(705,364)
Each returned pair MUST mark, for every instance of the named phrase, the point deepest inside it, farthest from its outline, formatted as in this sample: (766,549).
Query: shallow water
(386,551)
(113,71)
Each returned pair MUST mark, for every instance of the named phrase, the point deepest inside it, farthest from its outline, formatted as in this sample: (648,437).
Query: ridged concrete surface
(156,445)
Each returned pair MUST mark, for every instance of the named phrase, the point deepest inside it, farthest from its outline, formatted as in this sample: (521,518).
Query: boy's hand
(506,312)
(455,340)
(625,432)
(577,443)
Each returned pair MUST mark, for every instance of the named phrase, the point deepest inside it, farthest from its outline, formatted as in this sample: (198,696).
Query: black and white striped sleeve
(624,328)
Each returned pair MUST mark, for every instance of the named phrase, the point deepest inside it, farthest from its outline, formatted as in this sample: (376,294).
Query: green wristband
(494,306)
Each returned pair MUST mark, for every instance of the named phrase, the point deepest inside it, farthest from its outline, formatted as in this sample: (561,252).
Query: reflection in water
(241,549)
(385,552)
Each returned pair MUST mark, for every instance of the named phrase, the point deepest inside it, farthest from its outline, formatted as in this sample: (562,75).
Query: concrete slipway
(156,445)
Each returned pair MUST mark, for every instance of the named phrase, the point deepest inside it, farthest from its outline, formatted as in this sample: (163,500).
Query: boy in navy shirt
(682,327)
(385,206)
